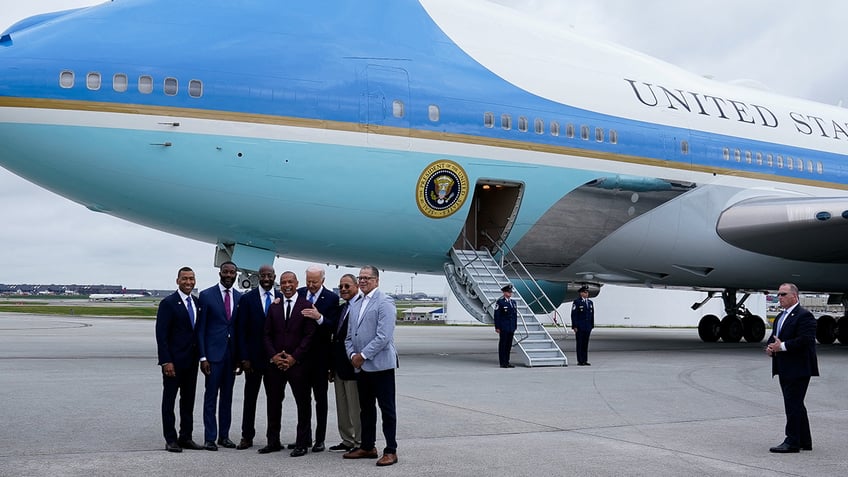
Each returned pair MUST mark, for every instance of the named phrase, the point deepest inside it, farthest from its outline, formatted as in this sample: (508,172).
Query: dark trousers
(275,392)
(219,387)
(319,383)
(581,345)
(797,423)
(252,383)
(504,346)
(378,388)
(185,382)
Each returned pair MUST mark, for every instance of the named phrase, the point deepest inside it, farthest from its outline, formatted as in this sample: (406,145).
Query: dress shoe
(387,459)
(318,447)
(226,442)
(244,444)
(807,448)
(210,446)
(291,446)
(189,444)
(298,452)
(784,448)
(173,447)
(361,454)
(275,447)
(341,448)
(587,364)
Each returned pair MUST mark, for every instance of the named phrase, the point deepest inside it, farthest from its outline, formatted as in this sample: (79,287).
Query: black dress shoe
(276,447)
(173,447)
(298,452)
(807,447)
(291,446)
(189,444)
(210,446)
(587,364)
(244,444)
(226,442)
(318,447)
(341,447)
(785,449)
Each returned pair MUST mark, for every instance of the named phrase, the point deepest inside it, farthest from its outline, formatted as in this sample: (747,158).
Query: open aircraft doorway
(494,207)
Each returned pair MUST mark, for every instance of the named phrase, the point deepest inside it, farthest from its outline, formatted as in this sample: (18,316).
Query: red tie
(227,310)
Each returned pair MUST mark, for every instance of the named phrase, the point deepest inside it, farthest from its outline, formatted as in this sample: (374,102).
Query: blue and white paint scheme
(388,131)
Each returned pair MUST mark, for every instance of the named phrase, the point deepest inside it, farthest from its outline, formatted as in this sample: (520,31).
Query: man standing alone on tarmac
(506,322)
(582,322)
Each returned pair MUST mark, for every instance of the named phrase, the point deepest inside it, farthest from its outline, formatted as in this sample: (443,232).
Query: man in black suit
(343,375)
(176,343)
(792,347)
(250,325)
(287,338)
(325,311)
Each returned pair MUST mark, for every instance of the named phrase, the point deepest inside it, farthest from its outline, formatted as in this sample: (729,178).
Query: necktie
(345,312)
(288,308)
(267,301)
(227,303)
(190,309)
(311,298)
(780,322)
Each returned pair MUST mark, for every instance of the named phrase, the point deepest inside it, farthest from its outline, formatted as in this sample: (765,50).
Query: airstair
(476,279)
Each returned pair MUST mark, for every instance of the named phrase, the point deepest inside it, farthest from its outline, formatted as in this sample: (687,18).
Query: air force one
(430,136)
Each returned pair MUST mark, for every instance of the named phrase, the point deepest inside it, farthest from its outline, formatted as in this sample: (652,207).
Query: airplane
(114,296)
(410,133)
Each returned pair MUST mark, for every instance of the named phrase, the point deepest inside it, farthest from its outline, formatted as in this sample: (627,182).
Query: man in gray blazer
(371,348)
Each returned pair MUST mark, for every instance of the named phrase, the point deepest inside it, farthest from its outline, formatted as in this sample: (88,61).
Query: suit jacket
(506,315)
(214,331)
(373,334)
(339,359)
(798,334)
(294,336)
(176,340)
(250,327)
(582,314)
(327,304)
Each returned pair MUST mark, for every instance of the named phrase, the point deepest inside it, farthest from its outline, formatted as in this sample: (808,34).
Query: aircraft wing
(811,229)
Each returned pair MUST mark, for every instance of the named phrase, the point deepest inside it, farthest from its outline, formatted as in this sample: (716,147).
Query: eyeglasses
(345,286)
(365,279)
(782,294)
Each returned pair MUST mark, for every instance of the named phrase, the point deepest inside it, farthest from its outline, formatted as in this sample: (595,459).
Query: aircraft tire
(826,329)
(731,329)
(842,330)
(753,329)
(709,329)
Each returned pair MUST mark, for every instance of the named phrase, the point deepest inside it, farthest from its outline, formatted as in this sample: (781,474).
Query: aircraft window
(779,161)
(759,158)
(489,120)
(539,126)
(92,81)
(599,134)
(195,88)
(737,154)
(819,167)
(748,157)
(66,79)
(171,86)
(569,130)
(433,113)
(614,138)
(522,124)
(120,82)
(145,84)
(584,133)
(800,164)
(397,108)
(789,164)
(726,154)
(554,128)
(684,146)
(770,160)
(506,121)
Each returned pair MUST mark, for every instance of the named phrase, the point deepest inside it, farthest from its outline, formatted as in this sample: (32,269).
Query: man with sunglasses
(792,347)
(343,375)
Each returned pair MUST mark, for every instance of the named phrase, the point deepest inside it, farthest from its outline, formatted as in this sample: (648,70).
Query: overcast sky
(792,47)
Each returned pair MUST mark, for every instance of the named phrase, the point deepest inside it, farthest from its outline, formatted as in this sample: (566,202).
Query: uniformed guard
(582,322)
(506,321)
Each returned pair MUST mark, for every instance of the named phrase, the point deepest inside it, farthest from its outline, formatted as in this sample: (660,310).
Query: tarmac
(81,396)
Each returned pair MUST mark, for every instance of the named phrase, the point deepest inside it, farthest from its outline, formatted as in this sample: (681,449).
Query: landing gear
(248,280)
(737,324)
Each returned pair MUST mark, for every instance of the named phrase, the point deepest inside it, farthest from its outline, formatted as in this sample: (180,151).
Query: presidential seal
(442,189)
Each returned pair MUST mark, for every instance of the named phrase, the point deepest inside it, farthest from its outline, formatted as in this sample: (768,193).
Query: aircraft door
(494,208)
(383,107)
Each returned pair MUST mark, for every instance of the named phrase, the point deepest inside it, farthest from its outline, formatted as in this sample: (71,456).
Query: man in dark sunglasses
(343,375)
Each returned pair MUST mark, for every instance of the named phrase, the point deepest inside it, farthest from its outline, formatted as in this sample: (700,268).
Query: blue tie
(267,301)
(311,298)
(190,311)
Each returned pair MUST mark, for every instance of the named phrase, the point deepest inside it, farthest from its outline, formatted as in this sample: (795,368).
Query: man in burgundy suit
(288,337)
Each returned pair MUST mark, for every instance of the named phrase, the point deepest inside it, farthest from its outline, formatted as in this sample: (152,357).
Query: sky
(791,47)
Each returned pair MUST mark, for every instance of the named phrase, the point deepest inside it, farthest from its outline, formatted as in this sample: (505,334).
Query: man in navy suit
(176,343)
(250,325)
(792,347)
(215,333)
(506,322)
(582,323)
(371,347)
(287,338)
(325,311)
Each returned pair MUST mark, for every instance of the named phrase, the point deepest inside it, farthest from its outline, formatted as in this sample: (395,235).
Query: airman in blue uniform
(582,322)
(506,321)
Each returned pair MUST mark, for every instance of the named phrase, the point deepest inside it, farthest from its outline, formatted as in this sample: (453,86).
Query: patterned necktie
(190,309)
(345,313)
(780,322)
(227,303)
(267,301)
(288,308)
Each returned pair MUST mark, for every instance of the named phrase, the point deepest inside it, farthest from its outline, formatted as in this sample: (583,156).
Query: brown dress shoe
(244,444)
(387,459)
(361,454)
